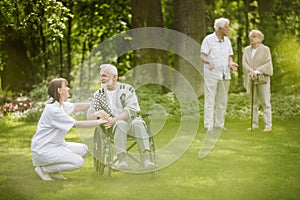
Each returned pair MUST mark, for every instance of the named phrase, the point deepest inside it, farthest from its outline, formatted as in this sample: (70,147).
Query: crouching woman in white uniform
(50,153)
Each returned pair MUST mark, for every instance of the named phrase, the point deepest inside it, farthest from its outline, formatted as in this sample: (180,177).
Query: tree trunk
(148,14)
(69,47)
(189,18)
(61,59)
(16,75)
(268,22)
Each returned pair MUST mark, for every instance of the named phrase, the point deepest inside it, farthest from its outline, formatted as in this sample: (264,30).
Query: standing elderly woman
(258,67)
(50,153)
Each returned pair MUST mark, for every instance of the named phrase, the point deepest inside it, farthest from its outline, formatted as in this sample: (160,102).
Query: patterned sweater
(126,100)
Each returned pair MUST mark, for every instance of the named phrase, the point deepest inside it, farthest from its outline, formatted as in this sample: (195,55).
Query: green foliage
(88,23)
(29,115)
(286,14)
(286,61)
(286,106)
(238,106)
(149,96)
(39,92)
(283,106)
(34,114)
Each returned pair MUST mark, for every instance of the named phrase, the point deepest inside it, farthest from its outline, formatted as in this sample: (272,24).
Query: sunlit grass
(243,165)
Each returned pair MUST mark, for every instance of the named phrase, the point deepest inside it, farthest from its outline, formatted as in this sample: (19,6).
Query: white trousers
(66,157)
(215,102)
(135,128)
(262,93)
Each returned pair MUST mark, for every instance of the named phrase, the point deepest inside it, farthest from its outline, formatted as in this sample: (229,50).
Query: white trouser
(262,93)
(65,158)
(135,128)
(215,102)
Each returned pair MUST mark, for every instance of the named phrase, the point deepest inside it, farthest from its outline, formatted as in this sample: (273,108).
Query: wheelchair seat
(104,156)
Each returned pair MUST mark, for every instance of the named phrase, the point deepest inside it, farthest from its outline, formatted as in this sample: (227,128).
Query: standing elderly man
(257,61)
(216,53)
(117,103)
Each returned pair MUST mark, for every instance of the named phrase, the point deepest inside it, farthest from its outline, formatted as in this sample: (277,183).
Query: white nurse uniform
(48,146)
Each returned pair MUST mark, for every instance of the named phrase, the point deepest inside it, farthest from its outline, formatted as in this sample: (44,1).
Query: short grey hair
(220,23)
(112,69)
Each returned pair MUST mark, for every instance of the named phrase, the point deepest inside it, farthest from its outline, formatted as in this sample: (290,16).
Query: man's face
(107,80)
(224,30)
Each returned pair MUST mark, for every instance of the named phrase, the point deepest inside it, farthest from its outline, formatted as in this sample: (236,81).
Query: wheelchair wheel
(102,153)
(99,151)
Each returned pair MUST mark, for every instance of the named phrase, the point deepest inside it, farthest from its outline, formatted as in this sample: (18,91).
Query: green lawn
(243,165)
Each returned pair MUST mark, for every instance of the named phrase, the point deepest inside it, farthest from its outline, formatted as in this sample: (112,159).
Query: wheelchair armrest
(145,115)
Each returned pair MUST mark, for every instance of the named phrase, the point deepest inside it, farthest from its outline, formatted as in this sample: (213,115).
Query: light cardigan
(261,61)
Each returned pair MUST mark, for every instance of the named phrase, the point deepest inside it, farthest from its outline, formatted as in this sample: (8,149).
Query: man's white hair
(220,23)
(112,69)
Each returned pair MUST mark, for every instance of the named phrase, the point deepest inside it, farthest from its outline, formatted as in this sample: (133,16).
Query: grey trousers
(262,94)
(215,102)
(136,128)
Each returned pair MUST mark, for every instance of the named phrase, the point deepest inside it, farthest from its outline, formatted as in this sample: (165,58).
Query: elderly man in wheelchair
(117,103)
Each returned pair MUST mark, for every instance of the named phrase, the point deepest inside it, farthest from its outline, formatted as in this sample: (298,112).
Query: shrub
(283,106)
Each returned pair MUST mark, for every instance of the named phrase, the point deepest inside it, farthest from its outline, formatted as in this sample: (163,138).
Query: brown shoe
(267,129)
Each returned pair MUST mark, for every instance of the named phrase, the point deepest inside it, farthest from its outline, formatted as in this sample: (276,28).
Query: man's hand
(211,66)
(205,60)
(233,66)
(102,115)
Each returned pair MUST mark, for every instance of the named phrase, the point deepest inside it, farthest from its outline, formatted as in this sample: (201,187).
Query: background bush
(283,106)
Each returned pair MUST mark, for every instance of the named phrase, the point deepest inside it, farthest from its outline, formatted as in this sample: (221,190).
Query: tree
(17,65)
(148,14)
(29,33)
(189,18)
(281,27)
(42,39)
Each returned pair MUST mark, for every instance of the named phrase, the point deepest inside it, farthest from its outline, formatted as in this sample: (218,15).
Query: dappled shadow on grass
(242,165)
(262,165)
(18,133)
(19,180)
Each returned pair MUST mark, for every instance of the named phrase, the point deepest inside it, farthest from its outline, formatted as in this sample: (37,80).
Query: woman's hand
(110,122)
(102,114)
(252,74)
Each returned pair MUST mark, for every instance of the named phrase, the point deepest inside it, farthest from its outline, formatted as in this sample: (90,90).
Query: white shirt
(111,94)
(52,127)
(253,52)
(218,53)
(252,55)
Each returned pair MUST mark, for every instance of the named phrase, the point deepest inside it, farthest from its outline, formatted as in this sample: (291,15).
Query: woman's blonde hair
(258,33)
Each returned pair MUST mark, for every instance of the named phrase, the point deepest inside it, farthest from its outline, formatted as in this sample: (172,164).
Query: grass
(243,165)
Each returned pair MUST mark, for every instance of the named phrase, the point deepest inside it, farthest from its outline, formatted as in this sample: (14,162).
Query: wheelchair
(104,156)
